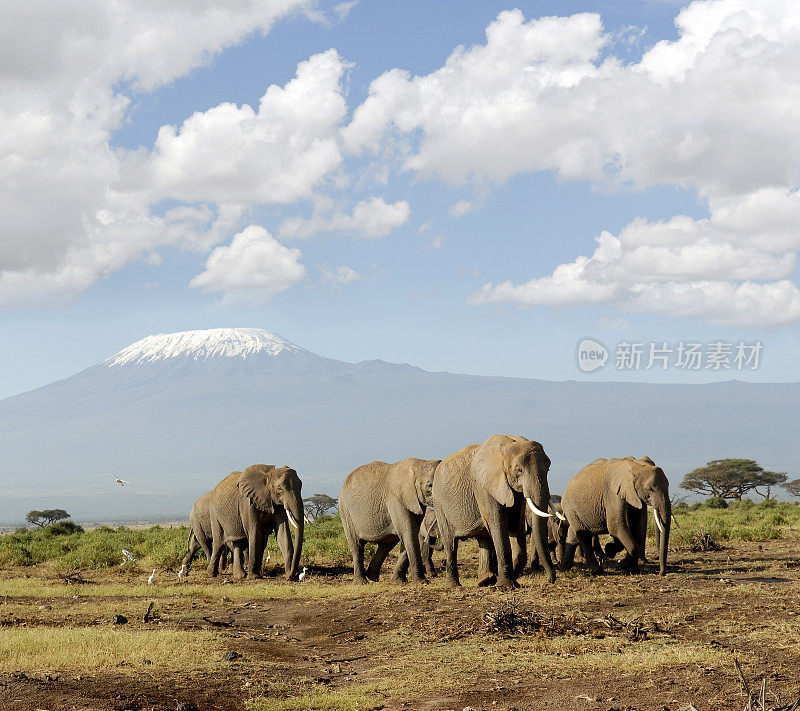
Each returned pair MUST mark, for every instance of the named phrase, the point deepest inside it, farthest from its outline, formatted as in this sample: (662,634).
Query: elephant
(200,536)
(246,507)
(480,492)
(611,496)
(383,503)
(557,528)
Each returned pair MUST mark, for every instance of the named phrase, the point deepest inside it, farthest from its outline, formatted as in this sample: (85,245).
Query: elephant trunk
(662,514)
(296,515)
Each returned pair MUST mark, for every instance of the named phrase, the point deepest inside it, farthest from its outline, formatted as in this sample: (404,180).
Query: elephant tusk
(537,511)
(559,515)
(658,521)
(291,520)
(313,525)
(675,520)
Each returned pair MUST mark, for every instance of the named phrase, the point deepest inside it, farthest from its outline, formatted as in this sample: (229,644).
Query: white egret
(152,577)
(302,575)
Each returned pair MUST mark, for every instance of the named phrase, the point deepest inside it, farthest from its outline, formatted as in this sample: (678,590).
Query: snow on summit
(202,345)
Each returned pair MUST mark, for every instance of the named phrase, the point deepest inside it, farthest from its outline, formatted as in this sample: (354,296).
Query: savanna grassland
(610,642)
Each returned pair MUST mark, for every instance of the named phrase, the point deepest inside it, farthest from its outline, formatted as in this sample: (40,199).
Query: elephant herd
(496,492)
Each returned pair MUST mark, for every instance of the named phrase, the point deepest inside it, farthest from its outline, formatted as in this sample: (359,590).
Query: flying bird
(128,557)
(119,481)
(302,575)
(152,577)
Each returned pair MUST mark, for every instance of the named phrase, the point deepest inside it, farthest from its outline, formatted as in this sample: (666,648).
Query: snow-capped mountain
(174,413)
(202,345)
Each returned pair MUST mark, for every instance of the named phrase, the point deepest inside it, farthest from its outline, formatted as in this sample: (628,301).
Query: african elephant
(557,528)
(246,507)
(481,491)
(611,496)
(200,536)
(383,503)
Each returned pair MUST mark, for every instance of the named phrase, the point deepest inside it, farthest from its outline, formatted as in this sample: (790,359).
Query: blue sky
(399,198)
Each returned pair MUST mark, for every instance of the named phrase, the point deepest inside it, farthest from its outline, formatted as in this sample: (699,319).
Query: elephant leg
(374,568)
(486,566)
(426,550)
(639,526)
(401,567)
(450,545)
(255,550)
(592,564)
(356,547)
(408,526)
(597,548)
(612,548)
(630,562)
(519,553)
(568,556)
(498,528)
(218,545)
(238,555)
(191,552)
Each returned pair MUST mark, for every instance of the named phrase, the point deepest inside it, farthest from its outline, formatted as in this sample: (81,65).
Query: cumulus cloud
(337,277)
(714,109)
(253,267)
(274,155)
(67,71)
(370,219)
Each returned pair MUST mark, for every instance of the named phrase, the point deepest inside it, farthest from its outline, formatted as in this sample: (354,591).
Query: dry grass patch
(306,695)
(92,648)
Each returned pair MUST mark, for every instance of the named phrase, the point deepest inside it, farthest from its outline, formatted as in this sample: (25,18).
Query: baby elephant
(383,503)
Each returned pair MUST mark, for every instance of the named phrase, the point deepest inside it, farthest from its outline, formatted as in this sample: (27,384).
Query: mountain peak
(202,345)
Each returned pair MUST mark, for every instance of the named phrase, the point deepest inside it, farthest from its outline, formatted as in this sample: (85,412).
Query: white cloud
(66,71)
(253,267)
(275,155)
(461,208)
(715,110)
(371,219)
(337,277)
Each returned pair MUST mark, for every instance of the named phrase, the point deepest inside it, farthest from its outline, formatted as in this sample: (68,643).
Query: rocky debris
(231,656)
(119,620)
(702,542)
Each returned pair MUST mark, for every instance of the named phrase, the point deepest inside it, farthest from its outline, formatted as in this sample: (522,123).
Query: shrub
(716,502)
(63,528)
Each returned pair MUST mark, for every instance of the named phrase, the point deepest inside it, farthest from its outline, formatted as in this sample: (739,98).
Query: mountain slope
(175,413)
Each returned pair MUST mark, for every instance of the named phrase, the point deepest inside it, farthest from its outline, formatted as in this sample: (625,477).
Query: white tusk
(676,520)
(291,520)
(658,522)
(559,515)
(313,525)
(538,512)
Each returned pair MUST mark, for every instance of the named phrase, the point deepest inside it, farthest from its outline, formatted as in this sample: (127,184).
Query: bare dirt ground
(614,642)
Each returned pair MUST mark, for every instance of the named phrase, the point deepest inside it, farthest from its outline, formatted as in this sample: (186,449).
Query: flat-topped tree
(793,487)
(319,504)
(732,479)
(43,518)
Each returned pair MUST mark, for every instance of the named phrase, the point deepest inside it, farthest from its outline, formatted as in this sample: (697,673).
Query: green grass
(741,521)
(163,548)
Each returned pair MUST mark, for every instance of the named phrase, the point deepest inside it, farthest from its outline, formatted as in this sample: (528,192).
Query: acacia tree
(732,479)
(319,504)
(793,487)
(42,518)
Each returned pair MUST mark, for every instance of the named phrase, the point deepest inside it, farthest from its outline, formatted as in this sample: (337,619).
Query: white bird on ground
(269,555)
(182,572)
(119,481)
(302,575)
(152,577)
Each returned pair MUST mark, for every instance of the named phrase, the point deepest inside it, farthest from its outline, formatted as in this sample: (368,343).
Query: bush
(768,504)
(716,502)
(63,528)
(743,505)
(680,507)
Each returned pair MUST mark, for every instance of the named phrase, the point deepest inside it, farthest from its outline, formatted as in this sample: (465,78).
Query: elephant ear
(648,460)
(402,486)
(626,488)
(488,467)
(254,484)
